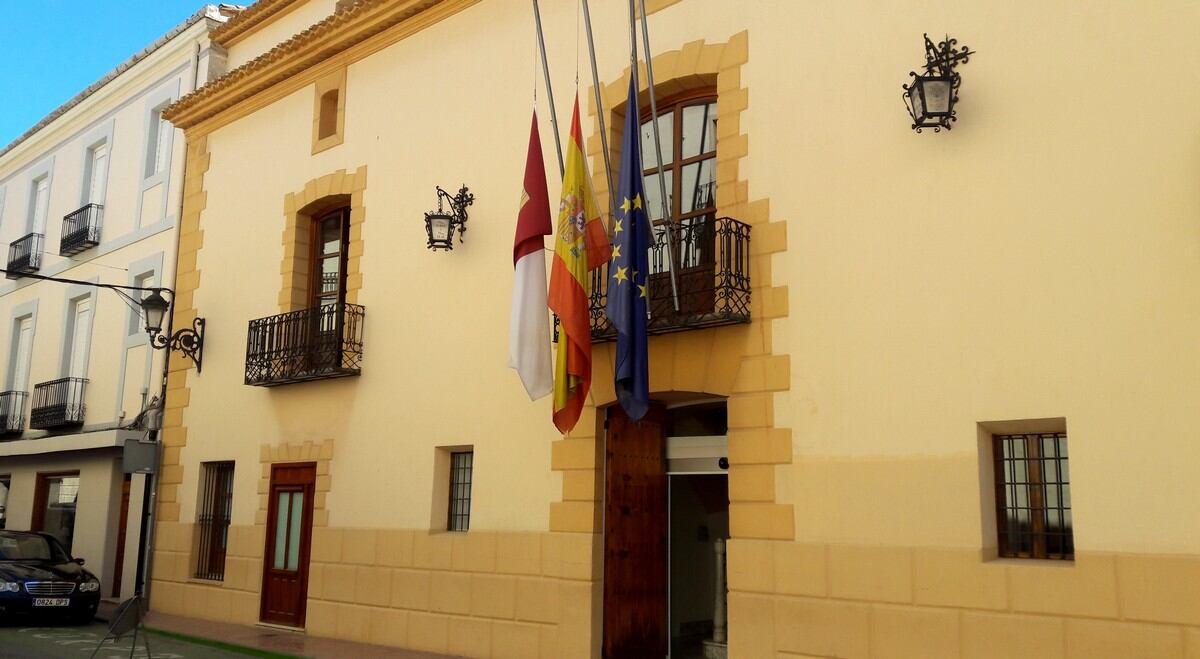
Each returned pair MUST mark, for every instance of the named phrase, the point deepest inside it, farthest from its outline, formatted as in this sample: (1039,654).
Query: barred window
(212,519)
(461,464)
(1033,496)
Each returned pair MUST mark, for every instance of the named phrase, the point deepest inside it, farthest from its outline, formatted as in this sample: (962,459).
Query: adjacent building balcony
(12,413)
(25,255)
(81,230)
(58,403)
(311,344)
(712,275)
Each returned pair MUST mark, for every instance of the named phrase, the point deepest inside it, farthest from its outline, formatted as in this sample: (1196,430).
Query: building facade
(885,343)
(91,195)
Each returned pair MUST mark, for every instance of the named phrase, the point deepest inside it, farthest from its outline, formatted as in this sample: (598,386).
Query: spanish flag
(580,246)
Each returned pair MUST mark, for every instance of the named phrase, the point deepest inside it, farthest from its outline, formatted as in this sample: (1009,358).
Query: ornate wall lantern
(441,224)
(189,340)
(931,96)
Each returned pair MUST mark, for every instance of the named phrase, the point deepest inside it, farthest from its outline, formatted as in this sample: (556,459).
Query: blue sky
(55,48)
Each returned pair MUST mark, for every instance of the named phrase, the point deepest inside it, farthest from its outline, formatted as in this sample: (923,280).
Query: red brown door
(289,533)
(122,526)
(635,537)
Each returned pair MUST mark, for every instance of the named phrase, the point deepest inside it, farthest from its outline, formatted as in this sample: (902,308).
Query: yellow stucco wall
(1035,262)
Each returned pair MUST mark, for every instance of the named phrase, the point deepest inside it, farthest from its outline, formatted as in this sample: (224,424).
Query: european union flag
(627,271)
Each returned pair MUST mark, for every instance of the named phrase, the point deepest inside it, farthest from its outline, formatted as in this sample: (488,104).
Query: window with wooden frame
(461,466)
(212,519)
(687,129)
(1033,496)
(55,499)
(330,236)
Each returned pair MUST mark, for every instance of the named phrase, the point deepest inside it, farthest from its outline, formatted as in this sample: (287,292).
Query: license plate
(51,601)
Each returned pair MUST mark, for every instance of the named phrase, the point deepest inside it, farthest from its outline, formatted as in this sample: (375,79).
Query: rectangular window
(54,503)
(39,204)
(461,464)
(136,326)
(21,354)
(157,141)
(97,173)
(5,485)
(1033,496)
(212,519)
(80,337)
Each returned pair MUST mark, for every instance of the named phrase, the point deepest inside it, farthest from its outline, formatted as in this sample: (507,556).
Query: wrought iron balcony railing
(310,344)
(58,403)
(12,412)
(81,230)
(24,255)
(712,257)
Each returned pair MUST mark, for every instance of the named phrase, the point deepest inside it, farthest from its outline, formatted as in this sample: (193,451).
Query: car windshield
(29,547)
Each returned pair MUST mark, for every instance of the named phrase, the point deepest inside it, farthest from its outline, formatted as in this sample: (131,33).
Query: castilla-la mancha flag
(580,247)
(528,325)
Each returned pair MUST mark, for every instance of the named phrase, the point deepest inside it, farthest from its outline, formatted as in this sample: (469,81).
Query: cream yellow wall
(1034,262)
(298,16)
(933,281)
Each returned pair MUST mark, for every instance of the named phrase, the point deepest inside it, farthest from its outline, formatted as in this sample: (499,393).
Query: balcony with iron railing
(24,255)
(12,413)
(712,268)
(310,344)
(81,230)
(58,403)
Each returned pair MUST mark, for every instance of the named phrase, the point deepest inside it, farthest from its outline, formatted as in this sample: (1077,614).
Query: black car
(38,576)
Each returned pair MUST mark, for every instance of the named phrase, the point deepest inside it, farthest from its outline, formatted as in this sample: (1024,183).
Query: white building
(92,193)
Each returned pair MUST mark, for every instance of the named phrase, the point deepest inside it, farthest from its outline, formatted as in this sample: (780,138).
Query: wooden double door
(635,536)
(289,541)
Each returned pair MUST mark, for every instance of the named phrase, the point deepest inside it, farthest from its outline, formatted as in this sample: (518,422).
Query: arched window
(688,137)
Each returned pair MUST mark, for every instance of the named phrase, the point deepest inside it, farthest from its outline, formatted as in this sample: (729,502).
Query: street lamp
(931,97)
(189,340)
(440,224)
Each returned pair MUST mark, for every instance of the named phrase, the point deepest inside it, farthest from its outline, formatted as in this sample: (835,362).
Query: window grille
(461,464)
(1033,496)
(212,520)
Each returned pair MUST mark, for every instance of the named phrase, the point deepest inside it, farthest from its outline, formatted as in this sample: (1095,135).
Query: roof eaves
(330,36)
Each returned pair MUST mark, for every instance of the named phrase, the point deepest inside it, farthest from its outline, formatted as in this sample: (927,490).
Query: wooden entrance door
(122,527)
(635,536)
(289,534)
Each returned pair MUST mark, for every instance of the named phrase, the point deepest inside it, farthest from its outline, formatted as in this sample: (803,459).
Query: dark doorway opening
(666,518)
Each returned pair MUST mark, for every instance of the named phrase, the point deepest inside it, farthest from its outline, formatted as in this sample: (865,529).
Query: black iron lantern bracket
(930,97)
(441,224)
(189,341)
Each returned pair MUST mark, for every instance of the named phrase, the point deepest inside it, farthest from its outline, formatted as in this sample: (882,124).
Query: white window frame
(19,314)
(159,136)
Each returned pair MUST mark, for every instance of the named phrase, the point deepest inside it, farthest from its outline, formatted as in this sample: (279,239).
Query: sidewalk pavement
(277,640)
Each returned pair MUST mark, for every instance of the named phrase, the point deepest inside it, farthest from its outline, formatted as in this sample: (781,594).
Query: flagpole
(662,183)
(537,18)
(612,202)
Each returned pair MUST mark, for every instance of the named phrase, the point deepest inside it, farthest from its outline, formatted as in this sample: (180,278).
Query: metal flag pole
(662,183)
(537,18)
(612,201)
